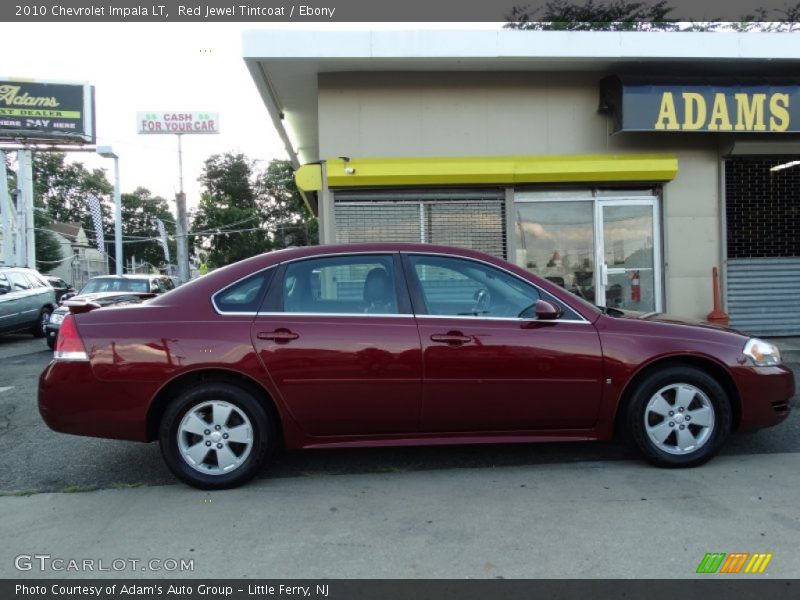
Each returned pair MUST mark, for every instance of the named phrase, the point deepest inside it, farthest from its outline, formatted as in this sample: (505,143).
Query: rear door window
(341,285)
(18,281)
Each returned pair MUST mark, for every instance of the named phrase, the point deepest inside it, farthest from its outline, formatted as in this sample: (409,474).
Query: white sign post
(179,123)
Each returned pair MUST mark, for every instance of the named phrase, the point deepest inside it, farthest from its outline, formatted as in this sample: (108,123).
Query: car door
(25,298)
(42,293)
(9,304)
(339,340)
(489,369)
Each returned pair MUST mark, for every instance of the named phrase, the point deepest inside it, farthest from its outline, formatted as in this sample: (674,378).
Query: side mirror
(546,311)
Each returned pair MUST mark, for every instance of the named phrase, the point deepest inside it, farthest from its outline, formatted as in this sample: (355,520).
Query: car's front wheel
(215,436)
(39,330)
(679,417)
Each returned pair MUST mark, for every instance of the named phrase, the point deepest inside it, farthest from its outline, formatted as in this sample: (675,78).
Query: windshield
(116,285)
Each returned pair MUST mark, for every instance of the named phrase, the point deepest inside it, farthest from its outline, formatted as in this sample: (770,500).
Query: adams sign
(46,111)
(711,106)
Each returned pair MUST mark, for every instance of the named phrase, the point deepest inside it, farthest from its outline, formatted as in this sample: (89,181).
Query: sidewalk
(616,519)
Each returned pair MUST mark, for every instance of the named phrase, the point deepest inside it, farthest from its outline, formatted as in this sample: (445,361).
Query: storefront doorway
(602,245)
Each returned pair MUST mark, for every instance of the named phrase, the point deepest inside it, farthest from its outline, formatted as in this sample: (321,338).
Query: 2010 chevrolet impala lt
(392,344)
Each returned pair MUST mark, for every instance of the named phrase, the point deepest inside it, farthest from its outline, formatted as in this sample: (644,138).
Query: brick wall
(762,207)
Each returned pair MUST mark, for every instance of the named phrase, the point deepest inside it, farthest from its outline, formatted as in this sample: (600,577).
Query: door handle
(279,335)
(452,338)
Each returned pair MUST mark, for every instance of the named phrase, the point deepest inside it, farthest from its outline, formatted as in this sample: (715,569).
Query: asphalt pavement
(538,510)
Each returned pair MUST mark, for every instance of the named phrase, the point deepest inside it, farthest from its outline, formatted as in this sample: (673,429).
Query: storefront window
(601,245)
(555,240)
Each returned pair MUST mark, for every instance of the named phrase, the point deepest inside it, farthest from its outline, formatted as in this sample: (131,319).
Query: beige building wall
(485,114)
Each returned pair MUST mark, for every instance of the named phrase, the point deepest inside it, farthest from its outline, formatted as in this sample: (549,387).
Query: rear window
(244,296)
(95,286)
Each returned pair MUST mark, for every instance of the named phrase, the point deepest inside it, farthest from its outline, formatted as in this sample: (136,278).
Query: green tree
(622,15)
(227,223)
(616,15)
(62,189)
(285,214)
(48,248)
(244,211)
(140,209)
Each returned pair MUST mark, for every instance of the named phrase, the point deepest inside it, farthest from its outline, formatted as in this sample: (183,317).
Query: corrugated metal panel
(470,219)
(764,295)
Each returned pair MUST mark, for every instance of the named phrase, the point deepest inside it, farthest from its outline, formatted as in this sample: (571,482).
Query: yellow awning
(489,170)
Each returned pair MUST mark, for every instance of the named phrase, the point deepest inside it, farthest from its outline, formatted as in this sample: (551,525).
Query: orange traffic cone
(718,316)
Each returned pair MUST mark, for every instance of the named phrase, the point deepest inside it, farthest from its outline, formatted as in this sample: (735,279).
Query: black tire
(243,400)
(38,329)
(635,425)
(51,342)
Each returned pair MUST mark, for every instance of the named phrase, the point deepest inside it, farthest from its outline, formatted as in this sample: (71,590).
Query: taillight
(69,345)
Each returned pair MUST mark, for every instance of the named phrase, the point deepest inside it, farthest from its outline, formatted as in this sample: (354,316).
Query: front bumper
(766,394)
(51,331)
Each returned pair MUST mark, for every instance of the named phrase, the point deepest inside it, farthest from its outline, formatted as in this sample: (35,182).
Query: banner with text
(43,111)
(177,122)
(642,104)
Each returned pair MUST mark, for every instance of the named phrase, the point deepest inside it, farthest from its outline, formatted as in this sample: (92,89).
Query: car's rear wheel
(679,417)
(39,330)
(215,436)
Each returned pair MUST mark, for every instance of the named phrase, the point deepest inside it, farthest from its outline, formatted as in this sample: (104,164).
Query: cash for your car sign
(177,122)
(48,111)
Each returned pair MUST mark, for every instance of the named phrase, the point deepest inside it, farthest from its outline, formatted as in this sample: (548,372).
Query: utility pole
(181,224)
(7,212)
(189,123)
(26,250)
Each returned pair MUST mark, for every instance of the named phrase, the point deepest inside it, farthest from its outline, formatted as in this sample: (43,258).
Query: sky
(137,67)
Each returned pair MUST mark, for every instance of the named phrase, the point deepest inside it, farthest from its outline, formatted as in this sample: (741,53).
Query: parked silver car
(106,290)
(26,301)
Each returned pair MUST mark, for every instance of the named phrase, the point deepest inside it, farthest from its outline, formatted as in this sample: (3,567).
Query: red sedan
(389,344)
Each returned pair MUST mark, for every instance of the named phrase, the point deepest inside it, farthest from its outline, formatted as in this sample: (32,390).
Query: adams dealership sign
(640,104)
(46,111)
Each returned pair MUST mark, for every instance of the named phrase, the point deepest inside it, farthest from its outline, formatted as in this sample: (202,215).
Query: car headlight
(763,354)
(57,317)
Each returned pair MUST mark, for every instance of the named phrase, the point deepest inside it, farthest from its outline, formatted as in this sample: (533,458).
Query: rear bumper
(72,400)
(766,394)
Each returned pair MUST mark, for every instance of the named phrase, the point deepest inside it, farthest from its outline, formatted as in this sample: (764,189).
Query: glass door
(628,254)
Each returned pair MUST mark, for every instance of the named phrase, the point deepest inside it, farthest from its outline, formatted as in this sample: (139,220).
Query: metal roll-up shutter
(764,295)
(467,219)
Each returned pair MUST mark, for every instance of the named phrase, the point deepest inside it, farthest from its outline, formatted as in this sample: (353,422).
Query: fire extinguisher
(636,288)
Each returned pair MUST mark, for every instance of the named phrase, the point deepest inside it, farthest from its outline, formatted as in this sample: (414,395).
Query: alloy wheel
(215,437)
(679,418)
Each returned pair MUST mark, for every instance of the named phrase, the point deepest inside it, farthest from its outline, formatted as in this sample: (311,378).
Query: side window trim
(273,301)
(421,308)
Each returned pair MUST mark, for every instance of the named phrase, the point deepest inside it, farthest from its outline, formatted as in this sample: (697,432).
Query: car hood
(672,319)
